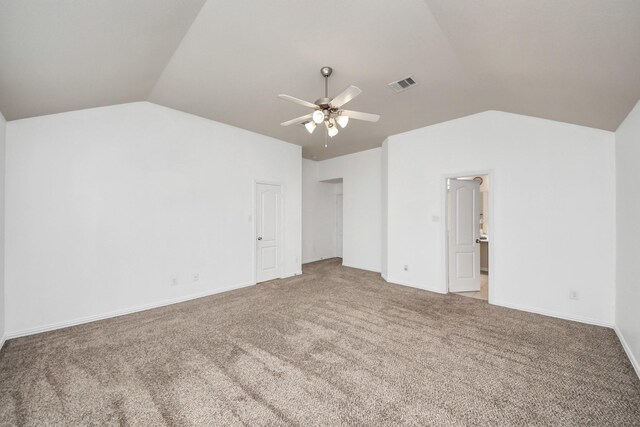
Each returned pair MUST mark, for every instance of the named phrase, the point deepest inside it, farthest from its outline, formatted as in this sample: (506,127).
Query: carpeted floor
(335,346)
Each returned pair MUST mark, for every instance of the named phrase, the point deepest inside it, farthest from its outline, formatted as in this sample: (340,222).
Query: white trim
(122,312)
(627,350)
(410,284)
(316,259)
(359,268)
(549,313)
(555,314)
(295,273)
(2,341)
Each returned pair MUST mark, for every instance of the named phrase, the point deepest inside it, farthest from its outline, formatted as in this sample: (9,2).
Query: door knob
(477,240)
(259,238)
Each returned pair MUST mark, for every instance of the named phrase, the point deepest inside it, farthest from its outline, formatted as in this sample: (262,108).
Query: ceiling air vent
(402,85)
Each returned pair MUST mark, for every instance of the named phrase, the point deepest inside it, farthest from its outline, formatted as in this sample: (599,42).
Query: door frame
(281,231)
(493,283)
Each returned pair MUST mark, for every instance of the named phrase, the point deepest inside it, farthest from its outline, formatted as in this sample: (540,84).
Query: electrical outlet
(174,281)
(196,277)
(406,267)
(574,295)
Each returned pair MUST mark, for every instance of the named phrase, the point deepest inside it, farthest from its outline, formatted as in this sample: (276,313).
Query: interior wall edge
(290,274)
(360,267)
(3,168)
(627,350)
(556,314)
(411,284)
(122,312)
(316,259)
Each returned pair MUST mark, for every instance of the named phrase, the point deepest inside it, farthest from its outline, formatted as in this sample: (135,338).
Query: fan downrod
(325,101)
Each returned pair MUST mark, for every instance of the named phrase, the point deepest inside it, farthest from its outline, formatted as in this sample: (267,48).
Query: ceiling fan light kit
(342,120)
(332,129)
(311,126)
(318,117)
(328,110)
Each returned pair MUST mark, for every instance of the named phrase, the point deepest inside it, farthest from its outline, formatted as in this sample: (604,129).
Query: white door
(464,250)
(339,225)
(268,244)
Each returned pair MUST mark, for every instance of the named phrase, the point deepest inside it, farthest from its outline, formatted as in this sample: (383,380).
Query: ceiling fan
(327,110)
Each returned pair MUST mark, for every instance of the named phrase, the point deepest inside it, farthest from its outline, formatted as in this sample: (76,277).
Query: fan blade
(368,117)
(345,96)
(297,120)
(297,101)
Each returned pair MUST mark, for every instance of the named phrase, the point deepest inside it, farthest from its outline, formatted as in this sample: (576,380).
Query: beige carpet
(335,346)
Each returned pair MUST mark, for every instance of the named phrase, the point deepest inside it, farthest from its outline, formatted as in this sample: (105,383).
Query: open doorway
(468,235)
(328,220)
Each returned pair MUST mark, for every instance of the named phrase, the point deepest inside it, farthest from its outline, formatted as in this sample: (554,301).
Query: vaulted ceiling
(576,61)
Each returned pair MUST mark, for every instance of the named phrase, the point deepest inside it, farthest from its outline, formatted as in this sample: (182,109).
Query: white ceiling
(576,61)
(62,55)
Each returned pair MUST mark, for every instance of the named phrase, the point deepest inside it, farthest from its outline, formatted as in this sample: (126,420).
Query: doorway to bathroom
(468,232)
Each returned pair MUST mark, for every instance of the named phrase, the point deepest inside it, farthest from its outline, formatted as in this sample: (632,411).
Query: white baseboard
(627,349)
(555,314)
(122,312)
(295,273)
(508,305)
(307,261)
(2,340)
(359,268)
(411,284)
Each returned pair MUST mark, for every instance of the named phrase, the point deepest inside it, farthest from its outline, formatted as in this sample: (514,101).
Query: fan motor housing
(323,103)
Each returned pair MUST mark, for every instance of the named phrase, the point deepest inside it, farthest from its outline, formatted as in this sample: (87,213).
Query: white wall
(384,203)
(2,173)
(362,205)
(105,206)
(552,218)
(318,215)
(628,231)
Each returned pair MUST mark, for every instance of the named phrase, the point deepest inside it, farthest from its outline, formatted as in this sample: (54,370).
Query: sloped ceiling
(62,55)
(576,61)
